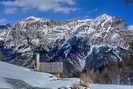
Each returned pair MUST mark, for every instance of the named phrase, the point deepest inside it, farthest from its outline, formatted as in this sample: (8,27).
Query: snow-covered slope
(130,27)
(103,86)
(15,77)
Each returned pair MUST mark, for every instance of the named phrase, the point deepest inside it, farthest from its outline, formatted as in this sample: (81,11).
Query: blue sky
(12,11)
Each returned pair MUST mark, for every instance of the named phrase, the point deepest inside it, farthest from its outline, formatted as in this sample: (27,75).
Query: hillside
(15,77)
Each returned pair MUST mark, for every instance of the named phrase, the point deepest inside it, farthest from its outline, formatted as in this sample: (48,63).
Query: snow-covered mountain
(79,43)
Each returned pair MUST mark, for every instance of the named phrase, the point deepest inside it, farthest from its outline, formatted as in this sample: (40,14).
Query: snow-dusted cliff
(79,43)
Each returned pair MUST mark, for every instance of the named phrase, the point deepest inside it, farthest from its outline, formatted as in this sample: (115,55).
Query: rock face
(82,44)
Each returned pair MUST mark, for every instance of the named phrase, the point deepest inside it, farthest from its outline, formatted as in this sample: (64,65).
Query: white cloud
(65,6)
(10,10)
(3,21)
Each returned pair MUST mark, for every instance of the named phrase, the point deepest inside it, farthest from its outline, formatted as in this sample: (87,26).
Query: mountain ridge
(71,41)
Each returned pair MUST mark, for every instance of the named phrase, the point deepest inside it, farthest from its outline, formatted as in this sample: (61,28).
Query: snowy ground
(103,86)
(9,72)
(13,76)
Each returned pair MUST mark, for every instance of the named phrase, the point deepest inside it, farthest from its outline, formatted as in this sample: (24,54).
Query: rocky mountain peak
(74,42)
(32,18)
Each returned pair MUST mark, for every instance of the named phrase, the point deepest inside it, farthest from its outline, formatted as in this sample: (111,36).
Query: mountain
(5,26)
(82,44)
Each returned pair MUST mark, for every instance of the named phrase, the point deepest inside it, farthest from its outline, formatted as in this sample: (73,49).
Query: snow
(34,18)
(103,86)
(130,27)
(3,84)
(35,79)
(115,36)
(35,42)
